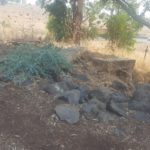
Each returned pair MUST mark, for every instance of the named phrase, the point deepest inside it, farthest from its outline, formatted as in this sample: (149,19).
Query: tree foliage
(69,20)
(58,23)
(68,17)
(122,31)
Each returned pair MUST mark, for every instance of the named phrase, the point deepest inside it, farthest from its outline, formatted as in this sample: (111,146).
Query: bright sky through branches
(31,1)
(147,15)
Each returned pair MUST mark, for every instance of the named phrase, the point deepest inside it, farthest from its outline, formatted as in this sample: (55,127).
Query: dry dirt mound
(103,70)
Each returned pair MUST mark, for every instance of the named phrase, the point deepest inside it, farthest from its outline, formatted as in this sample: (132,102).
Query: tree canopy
(83,10)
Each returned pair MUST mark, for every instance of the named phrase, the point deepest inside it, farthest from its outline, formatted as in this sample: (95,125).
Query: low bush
(122,31)
(28,61)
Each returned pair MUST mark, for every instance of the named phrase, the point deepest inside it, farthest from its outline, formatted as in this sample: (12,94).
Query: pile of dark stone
(103,104)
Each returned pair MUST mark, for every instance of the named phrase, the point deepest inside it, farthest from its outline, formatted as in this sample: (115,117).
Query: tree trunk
(77,7)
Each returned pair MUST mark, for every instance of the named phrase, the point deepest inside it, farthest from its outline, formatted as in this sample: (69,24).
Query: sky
(34,1)
(31,1)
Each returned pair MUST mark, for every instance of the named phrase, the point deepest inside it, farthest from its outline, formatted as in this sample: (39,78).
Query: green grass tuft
(29,61)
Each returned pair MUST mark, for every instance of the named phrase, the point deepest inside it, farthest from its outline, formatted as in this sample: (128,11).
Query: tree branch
(128,8)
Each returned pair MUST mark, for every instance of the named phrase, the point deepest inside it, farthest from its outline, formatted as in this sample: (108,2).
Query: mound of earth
(86,110)
(106,71)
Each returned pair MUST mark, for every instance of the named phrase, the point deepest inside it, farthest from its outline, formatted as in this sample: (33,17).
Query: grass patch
(29,61)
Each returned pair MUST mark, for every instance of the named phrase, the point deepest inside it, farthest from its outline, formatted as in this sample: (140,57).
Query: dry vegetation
(21,23)
(138,53)
(28,23)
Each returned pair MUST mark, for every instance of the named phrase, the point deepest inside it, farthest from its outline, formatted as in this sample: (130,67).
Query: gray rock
(141,116)
(72,96)
(116,108)
(93,106)
(102,94)
(68,113)
(54,89)
(105,116)
(119,85)
(141,99)
(88,108)
(84,93)
(119,97)
(70,84)
(100,105)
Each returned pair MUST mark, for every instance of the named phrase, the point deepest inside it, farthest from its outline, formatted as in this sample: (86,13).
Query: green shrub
(90,33)
(29,61)
(58,29)
(122,30)
(58,23)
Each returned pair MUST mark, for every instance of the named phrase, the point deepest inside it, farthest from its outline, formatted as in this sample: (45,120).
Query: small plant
(122,30)
(29,61)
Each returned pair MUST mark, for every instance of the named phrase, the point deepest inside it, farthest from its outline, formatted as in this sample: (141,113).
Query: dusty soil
(28,123)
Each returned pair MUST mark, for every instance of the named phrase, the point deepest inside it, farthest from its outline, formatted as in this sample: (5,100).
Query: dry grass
(21,23)
(29,23)
(103,47)
(138,53)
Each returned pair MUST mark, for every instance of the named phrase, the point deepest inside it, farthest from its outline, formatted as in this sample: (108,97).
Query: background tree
(122,31)
(75,12)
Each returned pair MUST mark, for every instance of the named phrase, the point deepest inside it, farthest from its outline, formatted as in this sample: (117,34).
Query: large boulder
(141,99)
(68,113)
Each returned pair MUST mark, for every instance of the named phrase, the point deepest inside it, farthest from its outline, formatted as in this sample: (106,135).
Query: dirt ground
(28,123)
